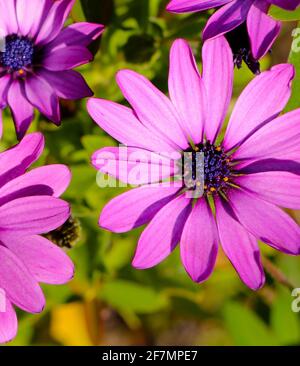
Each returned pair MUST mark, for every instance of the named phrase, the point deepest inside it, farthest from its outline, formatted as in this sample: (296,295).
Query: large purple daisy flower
(254,168)
(29,207)
(249,16)
(37,60)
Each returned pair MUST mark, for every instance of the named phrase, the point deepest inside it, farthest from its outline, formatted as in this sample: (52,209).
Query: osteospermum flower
(254,168)
(250,31)
(29,207)
(37,60)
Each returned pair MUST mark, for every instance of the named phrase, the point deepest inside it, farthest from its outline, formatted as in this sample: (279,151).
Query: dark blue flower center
(207,165)
(18,54)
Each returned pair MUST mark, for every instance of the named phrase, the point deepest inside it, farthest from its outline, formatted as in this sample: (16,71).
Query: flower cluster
(197,187)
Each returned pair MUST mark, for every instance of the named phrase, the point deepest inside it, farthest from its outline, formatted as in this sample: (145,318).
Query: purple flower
(37,60)
(29,207)
(255,168)
(250,16)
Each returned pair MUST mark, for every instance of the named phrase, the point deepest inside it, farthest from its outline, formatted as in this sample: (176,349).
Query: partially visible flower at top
(249,29)
(29,207)
(254,168)
(38,57)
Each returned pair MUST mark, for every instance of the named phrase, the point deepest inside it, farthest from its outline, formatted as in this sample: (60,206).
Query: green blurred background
(109,302)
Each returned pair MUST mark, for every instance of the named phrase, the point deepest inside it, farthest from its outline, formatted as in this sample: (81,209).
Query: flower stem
(276,274)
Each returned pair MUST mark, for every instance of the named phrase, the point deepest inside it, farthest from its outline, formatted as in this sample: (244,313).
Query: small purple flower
(256,31)
(255,168)
(29,207)
(38,57)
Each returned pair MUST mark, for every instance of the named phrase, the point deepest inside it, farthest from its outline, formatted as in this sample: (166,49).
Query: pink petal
(30,14)
(33,215)
(22,110)
(15,161)
(266,221)
(163,233)
(67,58)
(44,260)
(54,21)
(8,18)
(227,18)
(277,138)
(8,323)
(51,180)
(133,165)
(261,101)
(5,82)
(262,29)
(240,247)
(121,123)
(182,6)
(280,188)
(80,34)
(43,97)
(68,84)
(136,207)
(199,242)
(152,107)
(218,80)
(20,286)
(186,90)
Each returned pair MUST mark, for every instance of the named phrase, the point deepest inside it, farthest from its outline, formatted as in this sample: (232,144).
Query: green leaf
(132,297)
(294,58)
(246,328)
(284,15)
(284,322)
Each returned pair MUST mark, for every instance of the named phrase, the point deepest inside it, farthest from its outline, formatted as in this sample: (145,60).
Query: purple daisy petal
(133,165)
(182,6)
(51,180)
(283,137)
(80,34)
(136,207)
(67,58)
(199,242)
(227,18)
(33,215)
(53,265)
(240,247)
(54,21)
(122,124)
(262,29)
(280,188)
(266,221)
(218,81)
(262,100)
(42,96)
(18,283)
(8,17)
(68,84)
(15,161)
(8,323)
(161,116)
(22,110)
(162,234)
(29,24)
(187,90)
